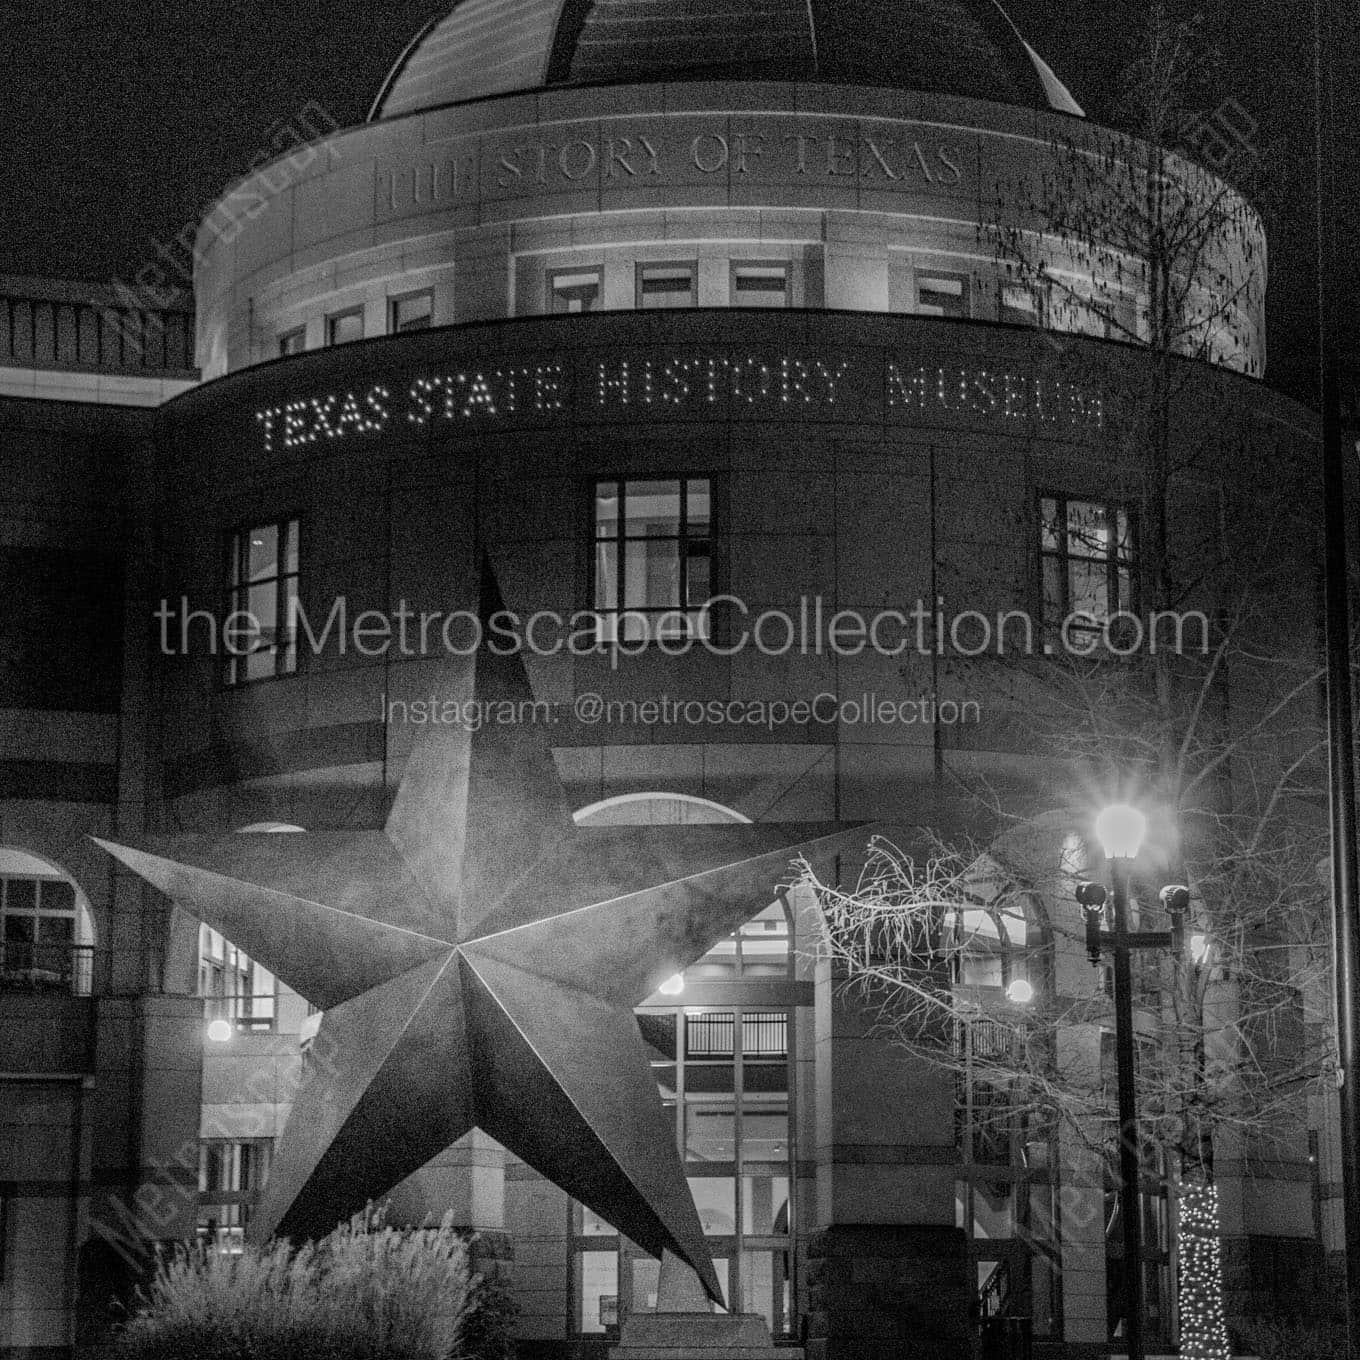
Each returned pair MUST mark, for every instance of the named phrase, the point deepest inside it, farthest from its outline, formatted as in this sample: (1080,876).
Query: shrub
(1295,1339)
(366,1292)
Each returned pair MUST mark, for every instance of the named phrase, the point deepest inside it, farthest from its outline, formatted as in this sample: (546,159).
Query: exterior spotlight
(1175,902)
(220,1031)
(1091,896)
(1199,949)
(1020,992)
(673,985)
(1120,829)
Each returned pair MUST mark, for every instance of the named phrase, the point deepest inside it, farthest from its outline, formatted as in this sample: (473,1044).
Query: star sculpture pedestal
(685,1327)
(478,960)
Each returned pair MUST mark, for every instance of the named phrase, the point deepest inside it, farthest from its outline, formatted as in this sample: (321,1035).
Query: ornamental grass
(366,1292)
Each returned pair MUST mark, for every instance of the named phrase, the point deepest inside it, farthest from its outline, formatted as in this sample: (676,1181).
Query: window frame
(922,274)
(1113,507)
(642,266)
(550,295)
(1012,316)
(334,318)
(74,956)
(298,333)
(786,268)
(234,665)
(395,301)
(716,535)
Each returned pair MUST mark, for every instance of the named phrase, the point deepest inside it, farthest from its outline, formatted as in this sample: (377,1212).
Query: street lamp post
(1120,830)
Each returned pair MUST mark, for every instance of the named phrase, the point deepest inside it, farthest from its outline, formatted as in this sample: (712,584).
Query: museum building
(645,305)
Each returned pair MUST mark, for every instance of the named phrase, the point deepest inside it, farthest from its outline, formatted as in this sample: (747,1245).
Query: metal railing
(46,966)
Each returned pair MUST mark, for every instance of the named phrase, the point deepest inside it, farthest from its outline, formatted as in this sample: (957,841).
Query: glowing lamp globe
(219,1031)
(1120,829)
(673,985)
(1021,992)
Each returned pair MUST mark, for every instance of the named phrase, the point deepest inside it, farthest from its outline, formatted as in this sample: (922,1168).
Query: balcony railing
(46,966)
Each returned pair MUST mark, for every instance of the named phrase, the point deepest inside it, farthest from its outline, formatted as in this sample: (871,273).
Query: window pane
(262,603)
(574,290)
(765,1133)
(666,286)
(412,313)
(652,573)
(1090,588)
(760,285)
(263,559)
(293,342)
(765,1205)
(598,1289)
(19,928)
(698,504)
(1053,594)
(21,894)
(1018,303)
(1049,524)
(765,1287)
(606,509)
(58,896)
(592,1225)
(290,546)
(646,1283)
(56,929)
(287,640)
(1088,529)
(710,1132)
(941,295)
(716,1200)
(347,326)
(653,508)
(606,576)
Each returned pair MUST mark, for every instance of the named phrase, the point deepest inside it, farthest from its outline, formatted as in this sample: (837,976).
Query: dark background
(123,121)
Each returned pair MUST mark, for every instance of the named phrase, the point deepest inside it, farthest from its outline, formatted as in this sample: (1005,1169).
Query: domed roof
(488,47)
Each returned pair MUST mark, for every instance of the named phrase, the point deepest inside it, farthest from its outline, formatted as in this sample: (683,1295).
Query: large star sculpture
(478,961)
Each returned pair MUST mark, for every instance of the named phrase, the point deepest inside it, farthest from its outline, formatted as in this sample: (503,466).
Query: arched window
(994,941)
(46,931)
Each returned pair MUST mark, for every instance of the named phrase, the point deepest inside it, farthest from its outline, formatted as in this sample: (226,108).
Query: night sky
(123,121)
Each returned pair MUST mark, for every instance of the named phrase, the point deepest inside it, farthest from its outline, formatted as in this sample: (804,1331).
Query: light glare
(673,985)
(1120,829)
(219,1031)
(1021,992)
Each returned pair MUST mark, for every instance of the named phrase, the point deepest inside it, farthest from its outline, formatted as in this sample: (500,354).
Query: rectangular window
(343,327)
(1087,561)
(236,987)
(666,285)
(1021,304)
(652,563)
(231,1172)
(760,285)
(573,290)
(414,312)
(293,342)
(263,591)
(942,295)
